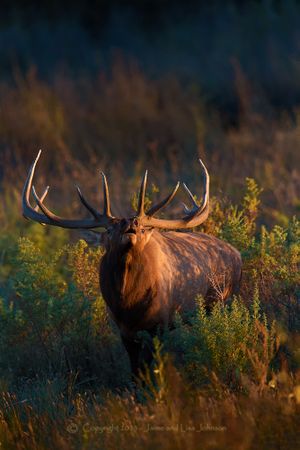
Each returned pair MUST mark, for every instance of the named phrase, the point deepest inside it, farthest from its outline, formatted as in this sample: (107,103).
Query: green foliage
(49,320)
(273,264)
(223,342)
(47,240)
(236,229)
(271,258)
(251,200)
(85,263)
(239,224)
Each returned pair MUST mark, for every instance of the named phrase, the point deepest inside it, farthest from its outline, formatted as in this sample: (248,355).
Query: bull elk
(150,270)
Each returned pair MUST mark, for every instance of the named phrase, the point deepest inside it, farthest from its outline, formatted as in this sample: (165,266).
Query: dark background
(196,40)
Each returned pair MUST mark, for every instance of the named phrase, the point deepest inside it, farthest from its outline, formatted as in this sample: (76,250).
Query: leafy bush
(49,320)
(225,342)
(271,258)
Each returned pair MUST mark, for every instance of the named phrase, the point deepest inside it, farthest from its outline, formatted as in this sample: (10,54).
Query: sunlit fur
(146,275)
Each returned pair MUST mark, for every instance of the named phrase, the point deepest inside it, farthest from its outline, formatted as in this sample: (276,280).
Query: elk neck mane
(134,271)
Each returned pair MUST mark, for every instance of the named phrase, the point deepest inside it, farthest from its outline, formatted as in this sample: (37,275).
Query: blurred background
(125,85)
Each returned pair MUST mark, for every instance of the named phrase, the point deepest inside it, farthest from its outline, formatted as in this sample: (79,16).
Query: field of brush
(227,380)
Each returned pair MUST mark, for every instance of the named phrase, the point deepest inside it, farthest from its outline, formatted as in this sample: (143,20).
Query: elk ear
(94,238)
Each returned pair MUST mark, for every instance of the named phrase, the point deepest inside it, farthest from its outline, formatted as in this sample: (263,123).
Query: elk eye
(142,230)
(135,222)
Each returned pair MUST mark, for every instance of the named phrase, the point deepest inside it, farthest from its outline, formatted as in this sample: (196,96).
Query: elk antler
(141,202)
(99,220)
(194,217)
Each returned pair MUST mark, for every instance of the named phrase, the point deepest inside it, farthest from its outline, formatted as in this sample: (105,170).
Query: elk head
(121,232)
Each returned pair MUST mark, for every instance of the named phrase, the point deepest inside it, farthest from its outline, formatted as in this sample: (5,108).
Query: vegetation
(223,380)
(65,376)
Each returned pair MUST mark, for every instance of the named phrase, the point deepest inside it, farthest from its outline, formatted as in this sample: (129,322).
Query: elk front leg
(133,349)
(139,354)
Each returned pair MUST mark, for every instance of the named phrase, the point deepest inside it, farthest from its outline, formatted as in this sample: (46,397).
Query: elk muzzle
(129,229)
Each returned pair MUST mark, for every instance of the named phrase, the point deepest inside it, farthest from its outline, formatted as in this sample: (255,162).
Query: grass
(137,122)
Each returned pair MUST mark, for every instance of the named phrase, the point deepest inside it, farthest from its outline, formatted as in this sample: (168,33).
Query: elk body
(147,274)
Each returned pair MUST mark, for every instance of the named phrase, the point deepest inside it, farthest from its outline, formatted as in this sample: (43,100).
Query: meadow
(122,86)
(229,379)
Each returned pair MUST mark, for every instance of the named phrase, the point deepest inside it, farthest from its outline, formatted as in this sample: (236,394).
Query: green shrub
(225,342)
(271,258)
(49,321)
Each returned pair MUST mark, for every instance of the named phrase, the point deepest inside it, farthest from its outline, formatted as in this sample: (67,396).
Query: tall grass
(125,121)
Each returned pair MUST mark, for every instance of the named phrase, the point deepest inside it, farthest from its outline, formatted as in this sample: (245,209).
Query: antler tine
(185,208)
(89,207)
(205,196)
(141,203)
(49,214)
(193,217)
(42,197)
(106,210)
(195,205)
(164,202)
(28,183)
(206,187)
(52,219)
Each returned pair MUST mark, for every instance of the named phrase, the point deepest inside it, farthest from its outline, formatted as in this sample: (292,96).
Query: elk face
(126,234)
